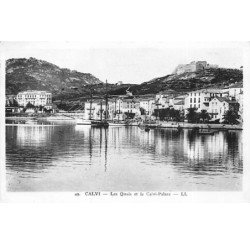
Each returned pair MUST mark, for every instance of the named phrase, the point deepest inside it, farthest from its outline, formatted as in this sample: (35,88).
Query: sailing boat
(85,121)
(115,122)
(102,123)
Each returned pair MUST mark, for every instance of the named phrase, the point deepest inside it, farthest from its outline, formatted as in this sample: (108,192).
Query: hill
(65,84)
(26,74)
(207,78)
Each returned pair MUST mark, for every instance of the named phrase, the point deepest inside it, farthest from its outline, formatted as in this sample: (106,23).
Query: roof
(180,103)
(179,98)
(208,90)
(34,92)
(224,99)
(146,99)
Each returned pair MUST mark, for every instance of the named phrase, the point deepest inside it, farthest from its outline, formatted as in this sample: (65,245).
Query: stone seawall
(200,125)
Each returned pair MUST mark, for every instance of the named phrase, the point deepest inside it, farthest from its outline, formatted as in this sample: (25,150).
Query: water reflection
(121,158)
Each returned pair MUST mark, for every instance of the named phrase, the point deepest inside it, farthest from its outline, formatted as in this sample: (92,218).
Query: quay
(160,124)
(199,125)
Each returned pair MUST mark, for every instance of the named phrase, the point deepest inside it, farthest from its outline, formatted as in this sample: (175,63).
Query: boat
(102,123)
(194,129)
(144,127)
(99,124)
(206,132)
(83,122)
(149,124)
(31,121)
(117,124)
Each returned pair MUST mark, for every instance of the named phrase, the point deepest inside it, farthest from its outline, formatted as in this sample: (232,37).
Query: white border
(241,196)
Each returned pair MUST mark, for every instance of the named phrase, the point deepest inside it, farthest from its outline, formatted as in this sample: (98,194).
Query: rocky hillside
(26,74)
(219,77)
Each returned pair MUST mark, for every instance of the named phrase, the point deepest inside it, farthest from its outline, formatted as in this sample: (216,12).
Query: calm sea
(70,157)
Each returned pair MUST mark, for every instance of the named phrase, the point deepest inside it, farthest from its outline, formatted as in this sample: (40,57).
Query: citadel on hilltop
(193,67)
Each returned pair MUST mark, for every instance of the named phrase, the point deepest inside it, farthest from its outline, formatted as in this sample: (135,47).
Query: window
(194,105)
(190,99)
(199,105)
(194,99)
(190,105)
(199,99)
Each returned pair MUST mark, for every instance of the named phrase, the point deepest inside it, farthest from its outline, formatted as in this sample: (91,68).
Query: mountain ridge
(27,74)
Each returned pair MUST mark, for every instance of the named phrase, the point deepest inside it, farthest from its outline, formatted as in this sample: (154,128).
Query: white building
(218,106)
(148,104)
(131,106)
(115,109)
(36,98)
(235,90)
(200,98)
(164,99)
(179,102)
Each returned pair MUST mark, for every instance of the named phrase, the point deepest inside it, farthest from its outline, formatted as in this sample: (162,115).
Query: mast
(119,110)
(101,111)
(106,101)
(90,111)
(115,108)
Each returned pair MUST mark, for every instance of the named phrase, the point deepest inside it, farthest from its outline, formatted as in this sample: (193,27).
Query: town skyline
(127,64)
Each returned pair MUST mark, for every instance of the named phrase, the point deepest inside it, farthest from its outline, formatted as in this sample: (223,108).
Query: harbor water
(69,157)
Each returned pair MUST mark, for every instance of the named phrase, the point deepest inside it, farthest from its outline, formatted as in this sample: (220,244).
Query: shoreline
(200,125)
(163,124)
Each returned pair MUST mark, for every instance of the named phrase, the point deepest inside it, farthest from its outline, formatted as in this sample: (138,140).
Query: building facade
(36,98)
(148,105)
(200,99)
(218,106)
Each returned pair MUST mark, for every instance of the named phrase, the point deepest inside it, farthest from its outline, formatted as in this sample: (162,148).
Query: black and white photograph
(124,125)
(123,117)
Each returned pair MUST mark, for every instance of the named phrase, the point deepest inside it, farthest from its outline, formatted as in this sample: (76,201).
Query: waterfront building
(131,107)
(115,108)
(235,90)
(179,102)
(148,104)
(164,99)
(218,106)
(36,98)
(200,99)
(11,105)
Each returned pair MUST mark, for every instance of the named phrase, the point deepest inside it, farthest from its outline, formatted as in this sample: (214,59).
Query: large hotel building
(37,98)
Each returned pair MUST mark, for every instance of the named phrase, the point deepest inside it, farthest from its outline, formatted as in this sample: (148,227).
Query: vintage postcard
(127,120)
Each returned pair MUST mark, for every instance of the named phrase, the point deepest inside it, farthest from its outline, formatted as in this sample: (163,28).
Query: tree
(175,115)
(192,115)
(15,103)
(204,116)
(143,111)
(231,117)
(40,108)
(129,115)
(29,105)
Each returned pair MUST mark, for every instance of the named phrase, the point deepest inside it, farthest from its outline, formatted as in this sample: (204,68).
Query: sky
(128,62)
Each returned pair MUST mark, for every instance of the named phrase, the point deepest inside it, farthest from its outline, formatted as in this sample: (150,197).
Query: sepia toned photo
(123,117)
